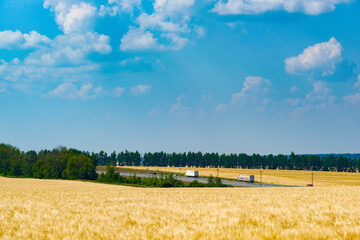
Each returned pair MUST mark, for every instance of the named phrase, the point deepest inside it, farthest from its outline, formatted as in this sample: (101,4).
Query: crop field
(59,209)
(286,177)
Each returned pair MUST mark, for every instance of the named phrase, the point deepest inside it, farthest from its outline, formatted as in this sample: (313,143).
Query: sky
(227,76)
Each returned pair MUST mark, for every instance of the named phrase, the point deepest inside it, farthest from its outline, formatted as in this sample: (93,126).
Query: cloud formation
(70,49)
(309,7)
(164,28)
(140,89)
(72,17)
(16,39)
(137,39)
(354,98)
(252,87)
(118,6)
(321,57)
(72,92)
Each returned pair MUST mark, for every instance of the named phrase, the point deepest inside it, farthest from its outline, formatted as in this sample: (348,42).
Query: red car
(309,185)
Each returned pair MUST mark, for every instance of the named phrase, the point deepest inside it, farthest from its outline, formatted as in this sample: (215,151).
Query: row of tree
(74,164)
(58,163)
(198,159)
(255,161)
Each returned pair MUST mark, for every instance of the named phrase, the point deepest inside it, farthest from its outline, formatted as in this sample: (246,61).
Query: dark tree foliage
(74,164)
(55,164)
(255,161)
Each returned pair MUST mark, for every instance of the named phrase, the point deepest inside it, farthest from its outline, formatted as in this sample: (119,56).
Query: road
(202,180)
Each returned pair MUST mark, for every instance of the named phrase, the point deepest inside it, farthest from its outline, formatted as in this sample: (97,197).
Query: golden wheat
(55,209)
(287,177)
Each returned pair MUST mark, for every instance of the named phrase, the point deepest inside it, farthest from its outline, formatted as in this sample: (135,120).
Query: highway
(201,180)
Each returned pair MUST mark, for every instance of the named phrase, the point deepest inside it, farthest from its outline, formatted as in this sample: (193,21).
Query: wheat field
(286,177)
(57,209)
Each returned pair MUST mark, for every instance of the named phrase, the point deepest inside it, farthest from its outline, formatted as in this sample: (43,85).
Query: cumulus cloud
(169,21)
(72,17)
(72,92)
(309,7)
(321,57)
(16,39)
(252,87)
(70,49)
(137,39)
(117,6)
(140,89)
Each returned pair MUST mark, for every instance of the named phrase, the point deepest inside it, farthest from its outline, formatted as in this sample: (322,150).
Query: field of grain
(300,178)
(56,209)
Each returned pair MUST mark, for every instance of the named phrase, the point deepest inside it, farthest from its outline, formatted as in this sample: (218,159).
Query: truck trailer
(246,178)
(191,173)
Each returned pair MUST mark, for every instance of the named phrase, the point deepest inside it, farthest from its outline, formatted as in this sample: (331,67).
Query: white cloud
(158,21)
(118,91)
(111,11)
(140,89)
(320,96)
(310,7)
(168,23)
(357,84)
(177,42)
(252,87)
(200,31)
(293,89)
(72,17)
(119,6)
(72,92)
(70,49)
(179,108)
(354,98)
(321,57)
(221,108)
(16,39)
(292,101)
(137,39)
(130,60)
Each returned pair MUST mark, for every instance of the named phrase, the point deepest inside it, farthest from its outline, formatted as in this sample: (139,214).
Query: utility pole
(180,174)
(217,175)
(147,169)
(312,177)
(260,176)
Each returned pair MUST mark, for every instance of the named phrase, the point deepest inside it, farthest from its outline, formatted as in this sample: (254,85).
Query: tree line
(331,162)
(71,163)
(254,161)
(59,163)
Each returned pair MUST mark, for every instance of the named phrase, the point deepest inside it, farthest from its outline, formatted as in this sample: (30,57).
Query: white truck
(191,173)
(246,178)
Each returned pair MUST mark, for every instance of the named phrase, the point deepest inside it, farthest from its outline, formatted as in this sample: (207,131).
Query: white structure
(246,178)
(191,173)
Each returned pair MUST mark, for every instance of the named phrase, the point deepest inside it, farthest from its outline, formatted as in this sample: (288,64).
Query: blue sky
(181,75)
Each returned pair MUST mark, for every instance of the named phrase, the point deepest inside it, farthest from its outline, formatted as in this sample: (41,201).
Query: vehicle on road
(191,173)
(246,178)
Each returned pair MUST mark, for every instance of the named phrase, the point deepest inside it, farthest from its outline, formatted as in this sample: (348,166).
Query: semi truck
(191,173)
(246,178)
